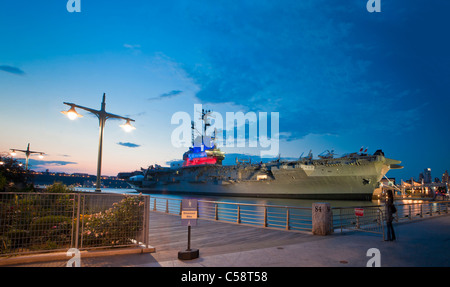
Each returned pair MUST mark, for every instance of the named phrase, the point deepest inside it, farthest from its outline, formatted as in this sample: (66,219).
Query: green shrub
(52,230)
(17,238)
(59,187)
(50,222)
(116,226)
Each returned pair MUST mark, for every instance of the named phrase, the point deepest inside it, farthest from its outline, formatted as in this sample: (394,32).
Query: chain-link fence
(39,222)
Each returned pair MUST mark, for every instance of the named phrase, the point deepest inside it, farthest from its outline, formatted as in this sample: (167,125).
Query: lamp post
(27,152)
(102,117)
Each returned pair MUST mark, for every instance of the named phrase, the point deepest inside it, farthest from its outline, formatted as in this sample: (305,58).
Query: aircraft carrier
(353,176)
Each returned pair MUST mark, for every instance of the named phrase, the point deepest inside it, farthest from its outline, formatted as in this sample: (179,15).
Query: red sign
(359,211)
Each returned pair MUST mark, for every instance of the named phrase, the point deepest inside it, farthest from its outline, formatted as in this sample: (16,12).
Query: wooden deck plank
(213,237)
(210,237)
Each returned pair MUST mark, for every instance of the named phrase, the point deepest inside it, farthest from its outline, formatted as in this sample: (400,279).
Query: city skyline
(339,77)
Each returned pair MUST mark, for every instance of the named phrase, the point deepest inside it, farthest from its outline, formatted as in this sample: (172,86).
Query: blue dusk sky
(339,77)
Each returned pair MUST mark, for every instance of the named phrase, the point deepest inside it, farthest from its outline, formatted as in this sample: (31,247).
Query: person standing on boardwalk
(390,210)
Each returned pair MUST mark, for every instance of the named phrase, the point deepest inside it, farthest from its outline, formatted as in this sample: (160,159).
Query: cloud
(128,144)
(168,95)
(64,155)
(307,60)
(12,70)
(129,46)
(41,163)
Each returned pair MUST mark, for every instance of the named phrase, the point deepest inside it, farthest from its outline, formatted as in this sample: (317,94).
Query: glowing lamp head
(72,113)
(13,153)
(127,126)
(41,155)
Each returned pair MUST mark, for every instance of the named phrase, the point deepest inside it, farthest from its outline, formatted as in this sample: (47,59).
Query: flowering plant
(119,225)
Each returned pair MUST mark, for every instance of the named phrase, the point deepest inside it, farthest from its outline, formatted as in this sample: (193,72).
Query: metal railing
(268,216)
(300,218)
(421,209)
(40,222)
(373,219)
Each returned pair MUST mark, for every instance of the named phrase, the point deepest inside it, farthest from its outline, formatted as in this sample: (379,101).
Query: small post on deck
(189,215)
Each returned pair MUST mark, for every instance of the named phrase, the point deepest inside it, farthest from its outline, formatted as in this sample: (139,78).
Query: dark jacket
(390,209)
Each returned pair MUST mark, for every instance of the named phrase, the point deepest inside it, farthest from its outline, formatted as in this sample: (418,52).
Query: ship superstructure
(353,176)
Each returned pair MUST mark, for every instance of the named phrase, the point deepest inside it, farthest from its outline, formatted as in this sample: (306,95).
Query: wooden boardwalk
(210,237)
(213,237)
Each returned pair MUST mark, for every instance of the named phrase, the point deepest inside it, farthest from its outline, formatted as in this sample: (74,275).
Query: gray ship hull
(344,178)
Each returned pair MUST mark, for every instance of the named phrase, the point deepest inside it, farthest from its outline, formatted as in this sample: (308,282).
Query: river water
(251,200)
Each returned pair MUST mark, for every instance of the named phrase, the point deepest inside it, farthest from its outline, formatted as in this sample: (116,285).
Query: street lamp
(102,117)
(27,152)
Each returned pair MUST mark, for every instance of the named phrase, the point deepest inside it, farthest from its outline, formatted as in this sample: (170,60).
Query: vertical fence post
(77,227)
(146,221)
(265,216)
(73,222)
(238,220)
(167,205)
(82,213)
(216,212)
(154,204)
(287,218)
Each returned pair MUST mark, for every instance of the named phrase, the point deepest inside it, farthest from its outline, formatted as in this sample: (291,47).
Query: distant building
(427,176)
(445,178)
(81,174)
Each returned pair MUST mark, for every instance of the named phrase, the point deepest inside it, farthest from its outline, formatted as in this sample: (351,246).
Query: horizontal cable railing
(300,218)
(37,222)
(421,209)
(270,216)
(372,218)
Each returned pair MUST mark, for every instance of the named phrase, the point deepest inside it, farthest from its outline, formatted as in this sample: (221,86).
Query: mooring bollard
(322,219)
